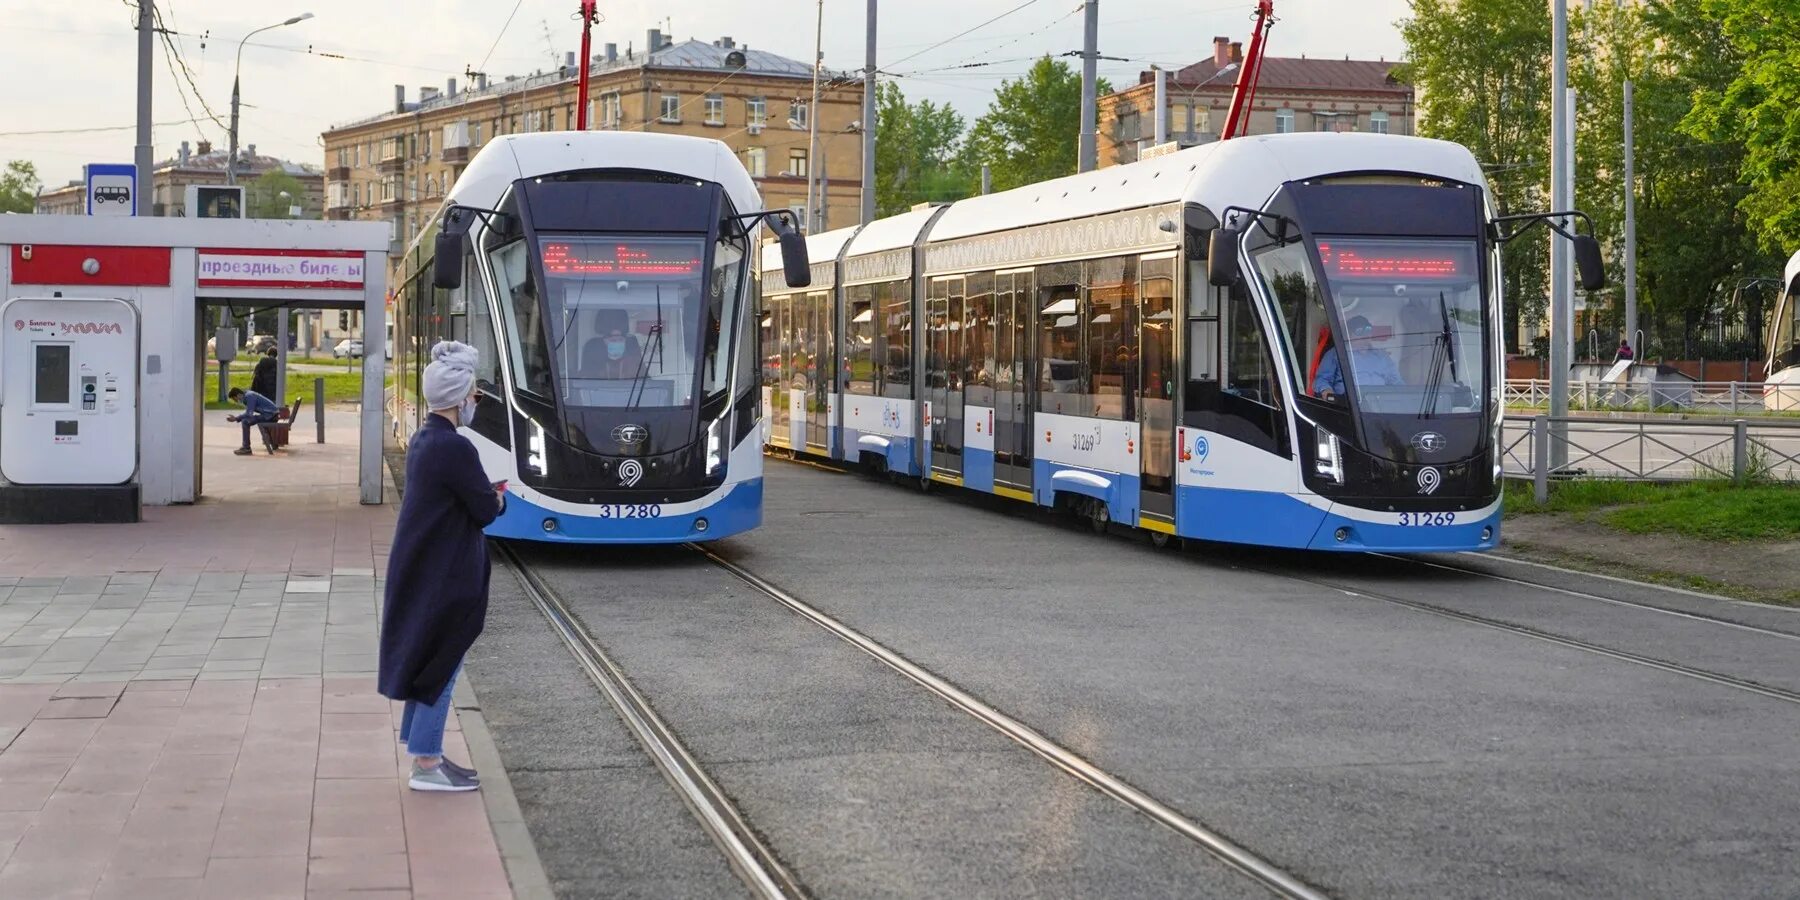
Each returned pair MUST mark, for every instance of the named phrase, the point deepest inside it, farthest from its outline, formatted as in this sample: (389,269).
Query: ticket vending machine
(68,410)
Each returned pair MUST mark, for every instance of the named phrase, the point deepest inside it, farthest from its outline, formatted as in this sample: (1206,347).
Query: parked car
(259,343)
(348,348)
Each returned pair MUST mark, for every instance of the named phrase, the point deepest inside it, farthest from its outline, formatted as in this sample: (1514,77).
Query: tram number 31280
(1427,519)
(629,510)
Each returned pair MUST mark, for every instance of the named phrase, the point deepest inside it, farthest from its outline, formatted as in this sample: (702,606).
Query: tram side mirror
(447,263)
(1588,262)
(1221,257)
(794,264)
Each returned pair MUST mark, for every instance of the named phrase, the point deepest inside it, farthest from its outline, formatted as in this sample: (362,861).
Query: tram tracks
(748,855)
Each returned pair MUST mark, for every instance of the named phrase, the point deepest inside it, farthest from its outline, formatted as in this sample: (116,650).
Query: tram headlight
(715,446)
(536,455)
(1328,457)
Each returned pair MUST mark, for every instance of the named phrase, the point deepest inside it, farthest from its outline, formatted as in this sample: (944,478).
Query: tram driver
(615,352)
(1373,365)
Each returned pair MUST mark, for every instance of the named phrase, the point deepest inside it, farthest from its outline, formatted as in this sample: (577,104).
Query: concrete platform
(187,704)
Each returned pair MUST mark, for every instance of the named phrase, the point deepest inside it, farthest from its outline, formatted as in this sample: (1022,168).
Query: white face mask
(467,411)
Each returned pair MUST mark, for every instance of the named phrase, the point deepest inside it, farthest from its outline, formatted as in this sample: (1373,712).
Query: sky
(72,64)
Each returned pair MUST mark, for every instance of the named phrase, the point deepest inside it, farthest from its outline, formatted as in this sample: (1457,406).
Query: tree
(1031,130)
(1756,108)
(916,152)
(19,184)
(263,199)
(1482,69)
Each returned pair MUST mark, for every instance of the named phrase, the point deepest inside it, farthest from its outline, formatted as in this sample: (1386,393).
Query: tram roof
(1243,171)
(820,248)
(1793,274)
(511,157)
(891,233)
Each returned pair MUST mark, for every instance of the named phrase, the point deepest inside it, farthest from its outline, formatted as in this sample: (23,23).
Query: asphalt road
(1370,748)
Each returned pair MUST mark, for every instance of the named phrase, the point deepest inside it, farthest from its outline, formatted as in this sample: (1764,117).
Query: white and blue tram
(606,280)
(1287,340)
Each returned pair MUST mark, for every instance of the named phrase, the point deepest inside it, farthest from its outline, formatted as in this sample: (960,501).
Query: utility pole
(146,28)
(812,125)
(1088,151)
(868,122)
(1630,231)
(1162,105)
(1562,288)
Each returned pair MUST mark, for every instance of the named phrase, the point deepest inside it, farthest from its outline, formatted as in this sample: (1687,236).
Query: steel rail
(1233,855)
(748,856)
(1549,637)
(1616,601)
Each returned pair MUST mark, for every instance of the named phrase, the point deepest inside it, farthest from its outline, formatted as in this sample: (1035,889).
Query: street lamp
(231,160)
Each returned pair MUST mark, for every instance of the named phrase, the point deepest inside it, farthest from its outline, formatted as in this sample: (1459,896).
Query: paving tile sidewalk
(188,706)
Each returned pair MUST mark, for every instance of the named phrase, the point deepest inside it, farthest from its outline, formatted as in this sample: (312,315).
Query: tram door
(1156,385)
(944,372)
(818,379)
(1013,328)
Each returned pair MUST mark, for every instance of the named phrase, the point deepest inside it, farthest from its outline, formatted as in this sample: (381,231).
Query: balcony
(339,213)
(457,156)
(337,173)
(391,165)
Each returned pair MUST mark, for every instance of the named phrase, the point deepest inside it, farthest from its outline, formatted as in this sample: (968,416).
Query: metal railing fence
(1544,448)
(1733,397)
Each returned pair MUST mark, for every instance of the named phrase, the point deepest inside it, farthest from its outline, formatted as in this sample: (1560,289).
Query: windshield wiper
(1443,350)
(654,351)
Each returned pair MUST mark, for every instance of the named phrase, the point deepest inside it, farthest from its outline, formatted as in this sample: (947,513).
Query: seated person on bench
(258,410)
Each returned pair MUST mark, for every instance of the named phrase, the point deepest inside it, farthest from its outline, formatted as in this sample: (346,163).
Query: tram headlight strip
(715,446)
(1328,457)
(536,456)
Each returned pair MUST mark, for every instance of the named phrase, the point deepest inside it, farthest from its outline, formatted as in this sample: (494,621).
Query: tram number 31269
(1427,519)
(629,510)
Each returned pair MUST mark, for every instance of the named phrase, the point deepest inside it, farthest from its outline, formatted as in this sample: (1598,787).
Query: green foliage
(1756,109)
(263,199)
(1708,510)
(1032,128)
(1482,68)
(916,152)
(19,185)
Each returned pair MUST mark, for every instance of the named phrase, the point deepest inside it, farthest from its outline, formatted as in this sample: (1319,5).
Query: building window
(798,211)
(797,115)
(715,109)
(671,108)
(356,195)
(756,113)
(427,145)
(358,149)
(756,159)
(607,113)
(1284,121)
(477,136)
(1378,122)
(797,163)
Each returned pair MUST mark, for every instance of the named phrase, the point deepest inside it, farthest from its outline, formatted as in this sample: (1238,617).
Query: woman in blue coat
(437,575)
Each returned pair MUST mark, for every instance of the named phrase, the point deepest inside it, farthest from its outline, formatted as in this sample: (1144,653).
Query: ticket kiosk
(68,410)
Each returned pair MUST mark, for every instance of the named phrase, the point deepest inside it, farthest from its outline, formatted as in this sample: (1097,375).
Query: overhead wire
(964,32)
(502,33)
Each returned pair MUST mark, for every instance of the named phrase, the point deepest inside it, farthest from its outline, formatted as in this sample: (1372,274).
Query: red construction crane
(1244,95)
(590,11)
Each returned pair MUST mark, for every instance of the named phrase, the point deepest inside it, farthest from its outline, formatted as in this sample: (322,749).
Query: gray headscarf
(451,376)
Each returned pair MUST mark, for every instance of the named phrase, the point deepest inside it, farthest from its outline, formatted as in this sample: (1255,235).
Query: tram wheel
(1161,539)
(1098,517)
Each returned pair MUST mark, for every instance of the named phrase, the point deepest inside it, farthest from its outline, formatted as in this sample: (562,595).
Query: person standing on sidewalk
(437,575)
(263,381)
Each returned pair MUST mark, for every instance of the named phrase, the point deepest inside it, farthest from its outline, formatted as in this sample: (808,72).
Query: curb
(524,869)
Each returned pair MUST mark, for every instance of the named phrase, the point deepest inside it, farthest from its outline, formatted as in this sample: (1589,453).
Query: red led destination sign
(615,258)
(1391,262)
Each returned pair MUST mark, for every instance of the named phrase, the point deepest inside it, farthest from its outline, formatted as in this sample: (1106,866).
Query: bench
(275,434)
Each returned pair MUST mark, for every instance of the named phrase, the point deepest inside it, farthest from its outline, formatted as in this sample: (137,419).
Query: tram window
(770,345)
(526,338)
(895,301)
(749,348)
(481,326)
(978,331)
(723,292)
(1252,374)
(1109,318)
(1288,272)
(1203,349)
(1061,374)
(1157,323)
(859,341)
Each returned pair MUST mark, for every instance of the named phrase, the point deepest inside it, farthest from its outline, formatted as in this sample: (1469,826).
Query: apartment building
(1292,94)
(398,166)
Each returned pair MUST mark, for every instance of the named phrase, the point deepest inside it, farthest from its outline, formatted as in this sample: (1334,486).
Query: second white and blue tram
(606,280)
(1285,340)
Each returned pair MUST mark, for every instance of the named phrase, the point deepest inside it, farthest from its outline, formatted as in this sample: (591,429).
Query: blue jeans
(422,725)
(251,420)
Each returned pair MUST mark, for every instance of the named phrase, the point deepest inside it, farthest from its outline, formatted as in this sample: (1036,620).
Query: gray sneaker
(464,771)
(440,778)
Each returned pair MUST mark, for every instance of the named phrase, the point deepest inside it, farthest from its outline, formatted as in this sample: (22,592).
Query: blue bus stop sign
(112,189)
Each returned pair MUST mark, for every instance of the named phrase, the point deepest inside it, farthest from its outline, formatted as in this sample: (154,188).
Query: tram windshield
(1409,310)
(628,321)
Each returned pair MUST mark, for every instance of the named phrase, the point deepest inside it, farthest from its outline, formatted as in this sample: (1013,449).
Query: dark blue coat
(437,574)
